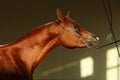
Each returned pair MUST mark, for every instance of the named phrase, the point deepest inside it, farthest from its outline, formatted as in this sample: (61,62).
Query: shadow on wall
(102,64)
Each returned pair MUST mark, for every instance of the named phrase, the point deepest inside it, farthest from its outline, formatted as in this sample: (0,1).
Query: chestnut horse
(19,59)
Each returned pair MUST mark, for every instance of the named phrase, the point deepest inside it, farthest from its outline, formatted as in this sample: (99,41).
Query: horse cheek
(68,41)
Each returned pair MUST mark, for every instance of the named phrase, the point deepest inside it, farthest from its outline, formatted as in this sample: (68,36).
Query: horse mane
(30,34)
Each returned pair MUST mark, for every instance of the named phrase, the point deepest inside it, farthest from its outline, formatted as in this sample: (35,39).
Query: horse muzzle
(91,42)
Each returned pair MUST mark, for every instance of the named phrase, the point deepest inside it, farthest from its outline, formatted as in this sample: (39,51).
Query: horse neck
(36,44)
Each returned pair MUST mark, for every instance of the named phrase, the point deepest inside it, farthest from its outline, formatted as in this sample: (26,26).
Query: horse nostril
(97,38)
(92,42)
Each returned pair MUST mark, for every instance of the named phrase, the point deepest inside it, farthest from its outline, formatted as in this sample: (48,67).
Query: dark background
(18,17)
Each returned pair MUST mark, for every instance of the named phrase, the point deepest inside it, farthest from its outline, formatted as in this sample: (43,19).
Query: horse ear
(59,15)
(68,14)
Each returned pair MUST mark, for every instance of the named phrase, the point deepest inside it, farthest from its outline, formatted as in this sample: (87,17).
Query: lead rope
(108,12)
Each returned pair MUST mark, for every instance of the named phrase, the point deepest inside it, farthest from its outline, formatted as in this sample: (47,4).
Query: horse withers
(19,58)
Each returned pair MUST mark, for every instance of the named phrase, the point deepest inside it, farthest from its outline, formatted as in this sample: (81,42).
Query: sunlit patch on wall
(112,65)
(112,58)
(86,67)
(111,74)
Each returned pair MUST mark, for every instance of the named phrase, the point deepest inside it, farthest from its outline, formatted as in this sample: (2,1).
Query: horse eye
(76,28)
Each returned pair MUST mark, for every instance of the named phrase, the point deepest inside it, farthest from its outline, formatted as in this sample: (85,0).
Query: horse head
(71,33)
